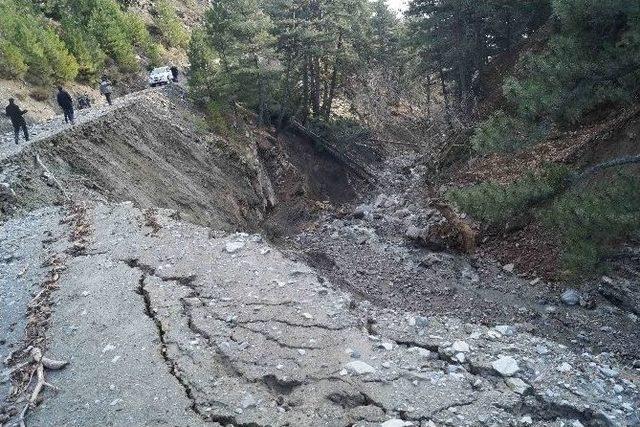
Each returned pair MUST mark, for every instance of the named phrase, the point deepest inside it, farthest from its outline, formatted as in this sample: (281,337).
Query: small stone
(362,211)
(248,401)
(460,347)
(570,297)
(233,247)
(506,330)
(618,388)
(564,367)
(459,357)
(301,352)
(359,367)
(518,386)
(609,372)
(509,268)
(526,420)
(415,233)
(396,423)
(307,316)
(421,351)
(422,322)
(506,366)
(386,345)
(576,423)
(542,350)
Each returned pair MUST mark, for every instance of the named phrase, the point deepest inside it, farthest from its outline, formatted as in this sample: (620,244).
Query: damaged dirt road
(165,322)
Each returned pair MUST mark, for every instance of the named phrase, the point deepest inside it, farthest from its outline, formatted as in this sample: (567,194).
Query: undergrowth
(588,220)
(591,222)
(495,203)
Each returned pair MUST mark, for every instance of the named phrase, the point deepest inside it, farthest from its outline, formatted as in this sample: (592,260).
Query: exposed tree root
(42,362)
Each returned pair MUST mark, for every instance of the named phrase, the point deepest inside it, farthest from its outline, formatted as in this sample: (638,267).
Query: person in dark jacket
(174,73)
(17,120)
(66,103)
(106,89)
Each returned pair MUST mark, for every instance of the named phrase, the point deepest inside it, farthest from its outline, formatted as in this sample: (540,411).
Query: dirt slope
(150,149)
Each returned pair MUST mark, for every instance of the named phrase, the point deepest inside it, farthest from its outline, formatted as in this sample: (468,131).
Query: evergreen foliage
(292,58)
(456,39)
(496,203)
(592,60)
(592,222)
(31,47)
(60,40)
(173,32)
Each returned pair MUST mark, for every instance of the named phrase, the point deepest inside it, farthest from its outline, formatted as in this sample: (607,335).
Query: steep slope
(150,148)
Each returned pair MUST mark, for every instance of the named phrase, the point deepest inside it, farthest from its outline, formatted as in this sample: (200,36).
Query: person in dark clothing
(66,103)
(174,73)
(17,120)
(106,89)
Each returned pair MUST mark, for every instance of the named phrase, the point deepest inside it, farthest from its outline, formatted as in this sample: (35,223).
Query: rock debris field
(164,322)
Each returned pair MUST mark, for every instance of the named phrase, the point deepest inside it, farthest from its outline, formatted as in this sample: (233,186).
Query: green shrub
(504,133)
(591,222)
(140,37)
(494,203)
(173,32)
(85,48)
(216,119)
(31,48)
(12,62)
(108,24)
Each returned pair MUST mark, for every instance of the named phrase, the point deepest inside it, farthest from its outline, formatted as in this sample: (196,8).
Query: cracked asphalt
(169,323)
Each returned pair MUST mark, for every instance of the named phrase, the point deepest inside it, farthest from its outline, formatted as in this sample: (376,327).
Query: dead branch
(618,161)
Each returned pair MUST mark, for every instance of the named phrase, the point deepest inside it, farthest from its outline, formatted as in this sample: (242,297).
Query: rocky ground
(377,250)
(163,321)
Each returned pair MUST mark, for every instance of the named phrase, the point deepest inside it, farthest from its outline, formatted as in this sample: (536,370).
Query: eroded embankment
(154,152)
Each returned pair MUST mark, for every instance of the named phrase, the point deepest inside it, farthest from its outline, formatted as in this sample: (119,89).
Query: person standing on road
(17,120)
(174,73)
(106,89)
(66,103)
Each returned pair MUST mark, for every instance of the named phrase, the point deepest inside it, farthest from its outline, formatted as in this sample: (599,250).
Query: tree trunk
(328,102)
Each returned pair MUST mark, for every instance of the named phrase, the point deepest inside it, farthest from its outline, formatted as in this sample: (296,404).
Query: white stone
(233,247)
(460,347)
(506,366)
(396,423)
(386,345)
(505,330)
(517,385)
(509,268)
(564,367)
(358,367)
(526,420)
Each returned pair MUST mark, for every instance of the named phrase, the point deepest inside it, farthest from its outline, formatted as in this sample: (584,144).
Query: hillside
(73,43)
